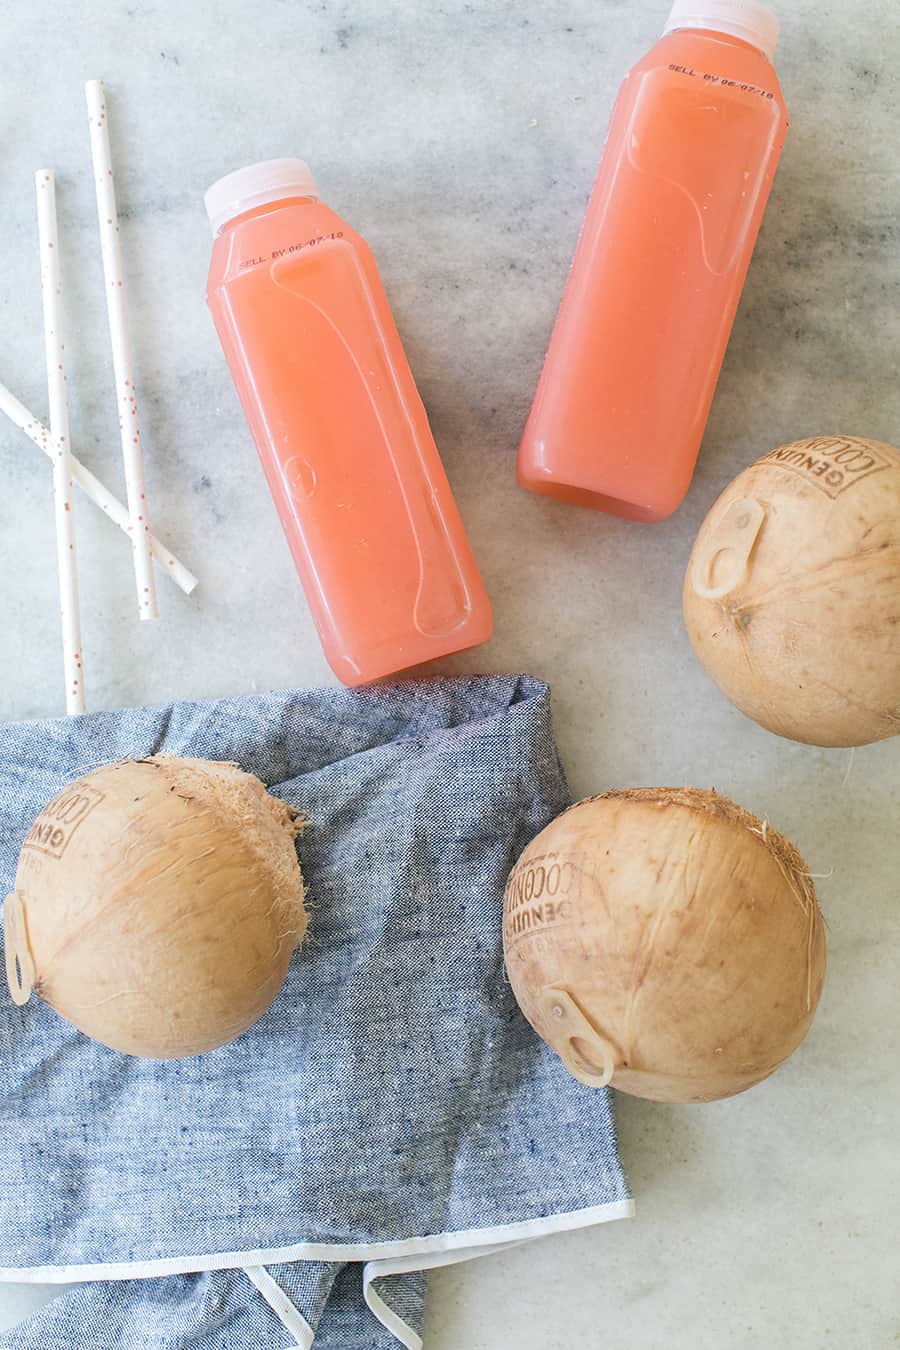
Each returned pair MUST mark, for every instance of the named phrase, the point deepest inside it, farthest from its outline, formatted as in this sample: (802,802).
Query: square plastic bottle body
(638,344)
(344,441)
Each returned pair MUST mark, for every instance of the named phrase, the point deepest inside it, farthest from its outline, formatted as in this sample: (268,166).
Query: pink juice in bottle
(340,429)
(639,340)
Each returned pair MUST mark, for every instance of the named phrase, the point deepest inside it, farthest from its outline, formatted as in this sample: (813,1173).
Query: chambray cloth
(391,1111)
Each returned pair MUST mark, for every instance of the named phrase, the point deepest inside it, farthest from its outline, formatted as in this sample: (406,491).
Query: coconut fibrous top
(242,803)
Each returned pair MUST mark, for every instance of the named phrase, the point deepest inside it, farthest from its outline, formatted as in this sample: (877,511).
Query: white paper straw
(118,328)
(93,488)
(66,559)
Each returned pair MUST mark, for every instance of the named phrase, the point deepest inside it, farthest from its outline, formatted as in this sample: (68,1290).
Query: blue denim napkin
(391,1112)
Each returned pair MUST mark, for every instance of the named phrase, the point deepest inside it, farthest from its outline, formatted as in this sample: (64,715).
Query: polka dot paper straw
(67,564)
(118,328)
(93,488)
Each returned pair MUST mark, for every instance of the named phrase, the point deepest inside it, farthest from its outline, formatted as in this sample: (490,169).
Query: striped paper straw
(121,349)
(99,494)
(66,560)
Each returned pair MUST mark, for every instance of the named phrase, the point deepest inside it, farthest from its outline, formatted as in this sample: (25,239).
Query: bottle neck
(717,34)
(265,209)
(748,21)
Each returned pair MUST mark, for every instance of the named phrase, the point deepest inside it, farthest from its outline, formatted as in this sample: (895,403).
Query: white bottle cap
(269,181)
(747,19)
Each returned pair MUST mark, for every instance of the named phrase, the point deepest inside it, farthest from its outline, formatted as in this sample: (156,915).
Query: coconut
(792,592)
(157,903)
(666,941)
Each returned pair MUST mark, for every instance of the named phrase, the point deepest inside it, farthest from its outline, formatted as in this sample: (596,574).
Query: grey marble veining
(461,139)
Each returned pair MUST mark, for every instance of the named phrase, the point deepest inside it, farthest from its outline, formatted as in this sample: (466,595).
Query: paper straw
(92,487)
(118,328)
(66,560)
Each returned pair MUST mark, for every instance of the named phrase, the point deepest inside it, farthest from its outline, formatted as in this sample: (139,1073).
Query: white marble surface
(461,138)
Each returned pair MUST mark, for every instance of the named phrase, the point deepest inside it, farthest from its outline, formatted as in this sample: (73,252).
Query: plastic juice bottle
(341,431)
(690,155)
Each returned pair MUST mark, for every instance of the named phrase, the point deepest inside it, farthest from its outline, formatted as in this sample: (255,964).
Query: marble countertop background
(461,139)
